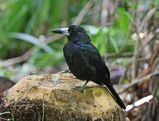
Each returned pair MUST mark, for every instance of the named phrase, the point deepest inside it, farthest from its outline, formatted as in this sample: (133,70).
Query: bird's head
(74,32)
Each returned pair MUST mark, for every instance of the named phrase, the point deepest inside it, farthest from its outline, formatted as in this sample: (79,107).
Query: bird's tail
(114,94)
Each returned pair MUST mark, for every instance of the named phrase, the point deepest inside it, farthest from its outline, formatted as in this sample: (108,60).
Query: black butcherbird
(84,60)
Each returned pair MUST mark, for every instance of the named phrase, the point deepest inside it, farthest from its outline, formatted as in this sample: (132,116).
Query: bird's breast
(72,54)
(76,62)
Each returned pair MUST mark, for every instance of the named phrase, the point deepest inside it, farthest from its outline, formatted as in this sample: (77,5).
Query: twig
(139,103)
(146,19)
(104,12)
(119,55)
(16,60)
(82,13)
(123,76)
(96,12)
(153,60)
(148,39)
(134,61)
(53,38)
(43,111)
(134,58)
(139,80)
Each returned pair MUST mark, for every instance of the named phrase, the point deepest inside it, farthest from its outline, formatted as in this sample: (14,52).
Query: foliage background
(122,30)
(34,19)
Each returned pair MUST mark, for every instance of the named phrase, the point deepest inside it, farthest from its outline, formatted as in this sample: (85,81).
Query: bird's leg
(81,88)
(84,85)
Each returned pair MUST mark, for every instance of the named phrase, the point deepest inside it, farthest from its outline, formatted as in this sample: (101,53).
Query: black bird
(84,60)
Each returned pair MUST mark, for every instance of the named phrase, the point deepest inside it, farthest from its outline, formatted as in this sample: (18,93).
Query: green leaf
(123,20)
(31,39)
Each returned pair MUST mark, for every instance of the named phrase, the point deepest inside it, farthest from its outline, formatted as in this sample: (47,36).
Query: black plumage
(84,60)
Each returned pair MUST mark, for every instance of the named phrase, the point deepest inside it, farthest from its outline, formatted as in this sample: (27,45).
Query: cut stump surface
(57,97)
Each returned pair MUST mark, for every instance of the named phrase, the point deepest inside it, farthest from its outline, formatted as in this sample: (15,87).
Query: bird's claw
(79,88)
(66,71)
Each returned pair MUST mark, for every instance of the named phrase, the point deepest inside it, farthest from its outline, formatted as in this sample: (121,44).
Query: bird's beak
(61,31)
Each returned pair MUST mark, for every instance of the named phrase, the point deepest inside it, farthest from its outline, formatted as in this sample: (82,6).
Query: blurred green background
(27,46)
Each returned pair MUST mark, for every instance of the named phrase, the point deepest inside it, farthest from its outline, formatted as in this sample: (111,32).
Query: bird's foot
(81,88)
(66,71)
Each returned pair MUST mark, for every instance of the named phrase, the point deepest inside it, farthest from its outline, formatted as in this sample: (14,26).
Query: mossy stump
(56,97)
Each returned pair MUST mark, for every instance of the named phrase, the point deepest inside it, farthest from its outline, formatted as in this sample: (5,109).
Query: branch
(16,60)
(140,80)
(139,103)
(82,13)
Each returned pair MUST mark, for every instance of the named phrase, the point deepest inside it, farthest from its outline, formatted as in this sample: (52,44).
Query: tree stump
(57,97)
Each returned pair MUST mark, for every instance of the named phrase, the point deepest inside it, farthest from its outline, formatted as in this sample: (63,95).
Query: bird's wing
(93,57)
